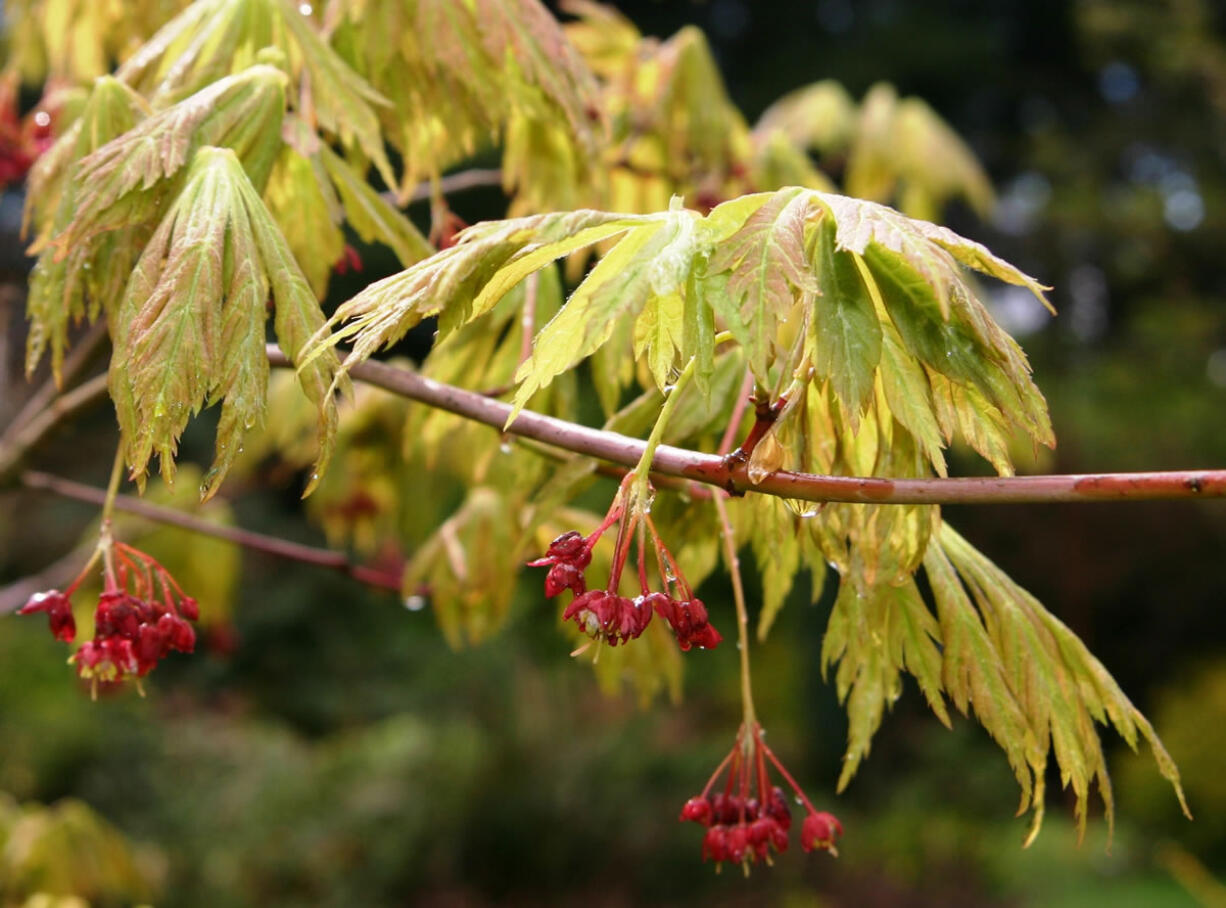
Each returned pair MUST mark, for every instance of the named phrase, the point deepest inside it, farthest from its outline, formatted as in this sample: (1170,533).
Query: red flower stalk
(751,818)
(141,617)
(604,614)
(350,260)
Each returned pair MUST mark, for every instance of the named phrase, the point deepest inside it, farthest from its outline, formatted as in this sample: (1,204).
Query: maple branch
(460,181)
(259,542)
(23,434)
(81,352)
(732,477)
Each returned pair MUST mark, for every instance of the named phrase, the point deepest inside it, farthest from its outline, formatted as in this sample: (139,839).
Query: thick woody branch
(731,475)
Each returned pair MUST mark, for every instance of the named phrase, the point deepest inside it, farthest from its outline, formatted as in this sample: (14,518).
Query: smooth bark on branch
(733,478)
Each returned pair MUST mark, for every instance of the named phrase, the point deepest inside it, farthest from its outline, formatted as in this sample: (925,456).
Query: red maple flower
(59,613)
(606,615)
(141,617)
(750,818)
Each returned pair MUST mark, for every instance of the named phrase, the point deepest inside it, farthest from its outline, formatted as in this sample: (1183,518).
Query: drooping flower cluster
(141,616)
(751,819)
(605,614)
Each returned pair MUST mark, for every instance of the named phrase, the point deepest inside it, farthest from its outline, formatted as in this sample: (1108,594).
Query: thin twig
(732,477)
(53,577)
(21,437)
(734,562)
(269,545)
(461,181)
(82,350)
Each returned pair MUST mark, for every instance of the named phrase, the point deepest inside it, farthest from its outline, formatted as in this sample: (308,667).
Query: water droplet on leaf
(415,603)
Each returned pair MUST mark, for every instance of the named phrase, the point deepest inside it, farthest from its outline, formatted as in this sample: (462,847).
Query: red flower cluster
(22,140)
(141,616)
(604,614)
(750,817)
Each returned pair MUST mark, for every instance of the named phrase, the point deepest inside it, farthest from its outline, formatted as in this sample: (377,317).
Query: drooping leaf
(464,566)
(190,328)
(242,112)
(307,210)
(974,677)
(844,332)
(874,637)
(370,214)
(908,396)
(212,39)
(68,288)
(459,75)
(1061,688)
(658,335)
(767,269)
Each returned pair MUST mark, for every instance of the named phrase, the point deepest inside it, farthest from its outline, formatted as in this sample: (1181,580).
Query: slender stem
(734,570)
(742,614)
(770,754)
(112,486)
(460,181)
(733,478)
(738,413)
(643,468)
(269,545)
(527,318)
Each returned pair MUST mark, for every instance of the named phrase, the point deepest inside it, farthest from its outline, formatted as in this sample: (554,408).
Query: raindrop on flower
(415,603)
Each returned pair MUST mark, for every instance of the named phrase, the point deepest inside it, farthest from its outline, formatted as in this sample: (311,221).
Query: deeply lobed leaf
(190,327)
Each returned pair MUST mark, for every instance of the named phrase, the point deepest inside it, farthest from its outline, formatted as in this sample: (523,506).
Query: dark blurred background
(342,755)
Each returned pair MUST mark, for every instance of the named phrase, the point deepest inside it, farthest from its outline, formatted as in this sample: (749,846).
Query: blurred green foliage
(343,756)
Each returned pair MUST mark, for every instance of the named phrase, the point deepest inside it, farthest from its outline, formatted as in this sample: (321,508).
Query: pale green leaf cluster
(896,149)
(189,330)
(36,839)
(464,566)
(459,75)
(816,288)
(75,41)
(990,648)
(212,39)
(312,192)
(80,280)
(674,129)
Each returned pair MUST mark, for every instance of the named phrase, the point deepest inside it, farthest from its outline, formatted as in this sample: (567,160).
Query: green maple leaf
(190,328)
